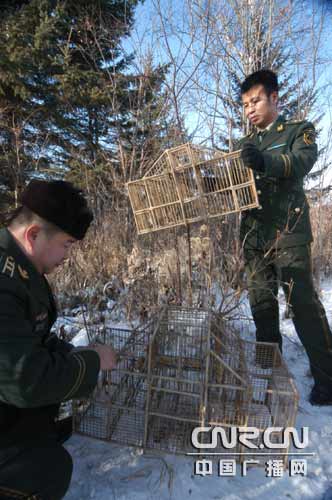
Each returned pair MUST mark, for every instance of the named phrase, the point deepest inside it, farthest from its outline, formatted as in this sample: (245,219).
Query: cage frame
(162,198)
(241,401)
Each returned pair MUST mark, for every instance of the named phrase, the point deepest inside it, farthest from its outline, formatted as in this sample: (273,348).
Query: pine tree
(62,85)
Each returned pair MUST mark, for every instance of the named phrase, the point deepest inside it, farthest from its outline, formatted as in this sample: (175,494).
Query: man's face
(50,251)
(260,108)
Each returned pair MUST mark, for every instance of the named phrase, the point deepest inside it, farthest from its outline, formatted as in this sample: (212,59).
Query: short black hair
(265,77)
(23,215)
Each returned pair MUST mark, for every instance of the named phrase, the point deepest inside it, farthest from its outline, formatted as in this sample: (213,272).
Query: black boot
(321,395)
(64,429)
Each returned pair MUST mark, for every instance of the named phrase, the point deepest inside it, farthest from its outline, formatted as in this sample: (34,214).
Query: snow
(107,471)
(81,339)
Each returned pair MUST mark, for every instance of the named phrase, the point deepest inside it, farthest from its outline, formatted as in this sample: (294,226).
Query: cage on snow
(186,371)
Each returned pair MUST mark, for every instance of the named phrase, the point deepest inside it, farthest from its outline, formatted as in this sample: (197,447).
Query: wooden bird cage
(183,372)
(189,184)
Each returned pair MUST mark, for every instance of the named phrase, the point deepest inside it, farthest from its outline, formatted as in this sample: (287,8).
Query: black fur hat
(61,203)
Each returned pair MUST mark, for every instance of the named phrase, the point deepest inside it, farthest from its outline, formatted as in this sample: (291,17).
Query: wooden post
(189,268)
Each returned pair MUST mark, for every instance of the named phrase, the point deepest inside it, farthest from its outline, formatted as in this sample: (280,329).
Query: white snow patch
(107,471)
(81,339)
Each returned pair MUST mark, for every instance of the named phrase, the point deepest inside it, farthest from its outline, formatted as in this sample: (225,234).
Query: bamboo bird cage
(189,184)
(184,371)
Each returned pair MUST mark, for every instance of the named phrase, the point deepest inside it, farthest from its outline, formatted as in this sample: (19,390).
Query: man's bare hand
(107,356)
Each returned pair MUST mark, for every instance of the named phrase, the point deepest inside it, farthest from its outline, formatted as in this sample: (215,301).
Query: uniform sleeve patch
(81,374)
(309,136)
(287,165)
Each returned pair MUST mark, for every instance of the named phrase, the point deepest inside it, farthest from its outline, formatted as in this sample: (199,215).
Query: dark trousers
(39,472)
(33,464)
(291,268)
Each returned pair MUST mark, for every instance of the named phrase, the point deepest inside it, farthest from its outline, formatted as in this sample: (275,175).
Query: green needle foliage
(68,98)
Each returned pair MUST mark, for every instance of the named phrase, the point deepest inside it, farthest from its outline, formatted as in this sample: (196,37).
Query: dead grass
(153,269)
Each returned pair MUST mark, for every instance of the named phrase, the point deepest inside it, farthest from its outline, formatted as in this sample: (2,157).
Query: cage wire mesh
(186,370)
(189,184)
(181,156)
(116,409)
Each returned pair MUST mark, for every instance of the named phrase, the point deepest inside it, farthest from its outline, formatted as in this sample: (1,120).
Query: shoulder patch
(309,136)
(294,122)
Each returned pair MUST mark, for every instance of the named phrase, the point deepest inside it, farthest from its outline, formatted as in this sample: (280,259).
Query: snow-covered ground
(106,471)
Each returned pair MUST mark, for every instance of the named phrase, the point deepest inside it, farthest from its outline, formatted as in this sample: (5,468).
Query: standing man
(276,238)
(38,370)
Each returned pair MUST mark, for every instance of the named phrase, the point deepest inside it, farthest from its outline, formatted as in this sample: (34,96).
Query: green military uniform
(37,372)
(276,240)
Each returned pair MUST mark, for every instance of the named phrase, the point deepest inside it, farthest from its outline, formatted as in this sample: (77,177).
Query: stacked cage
(116,409)
(178,357)
(189,184)
(252,390)
(183,372)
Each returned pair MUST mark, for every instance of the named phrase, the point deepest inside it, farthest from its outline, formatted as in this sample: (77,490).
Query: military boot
(64,429)
(320,395)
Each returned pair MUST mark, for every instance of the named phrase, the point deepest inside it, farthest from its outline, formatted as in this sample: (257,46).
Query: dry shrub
(150,269)
(96,259)
(321,219)
(154,268)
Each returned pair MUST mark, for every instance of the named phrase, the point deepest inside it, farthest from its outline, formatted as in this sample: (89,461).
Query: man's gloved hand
(252,157)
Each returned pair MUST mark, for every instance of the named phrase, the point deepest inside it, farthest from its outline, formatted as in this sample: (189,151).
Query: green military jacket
(36,367)
(282,220)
